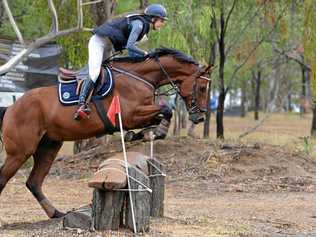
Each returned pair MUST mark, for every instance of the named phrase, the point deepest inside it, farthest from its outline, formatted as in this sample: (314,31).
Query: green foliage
(307,145)
(310,40)
(75,46)
(188,30)
(30,16)
(309,30)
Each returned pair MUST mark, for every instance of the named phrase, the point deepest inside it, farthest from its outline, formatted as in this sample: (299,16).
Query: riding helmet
(156,10)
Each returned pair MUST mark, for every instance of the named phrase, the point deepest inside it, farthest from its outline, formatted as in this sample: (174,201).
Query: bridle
(194,108)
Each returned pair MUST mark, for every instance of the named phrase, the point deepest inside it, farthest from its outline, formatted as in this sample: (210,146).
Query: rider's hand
(150,54)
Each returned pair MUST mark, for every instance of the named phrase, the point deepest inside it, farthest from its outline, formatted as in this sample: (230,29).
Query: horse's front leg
(148,115)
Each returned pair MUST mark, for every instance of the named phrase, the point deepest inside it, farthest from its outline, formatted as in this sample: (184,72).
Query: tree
(212,59)
(257,83)
(143,4)
(103,11)
(224,20)
(310,52)
(1,14)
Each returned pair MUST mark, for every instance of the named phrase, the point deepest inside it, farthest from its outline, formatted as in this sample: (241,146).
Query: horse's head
(189,77)
(193,89)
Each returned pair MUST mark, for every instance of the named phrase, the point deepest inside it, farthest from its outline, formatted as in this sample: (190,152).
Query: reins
(194,108)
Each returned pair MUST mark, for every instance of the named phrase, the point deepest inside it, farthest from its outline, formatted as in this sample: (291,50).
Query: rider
(117,34)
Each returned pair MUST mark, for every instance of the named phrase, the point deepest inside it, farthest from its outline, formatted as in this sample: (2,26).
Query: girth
(108,127)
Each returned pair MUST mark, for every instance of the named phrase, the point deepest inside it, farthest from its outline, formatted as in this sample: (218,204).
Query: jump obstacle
(114,205)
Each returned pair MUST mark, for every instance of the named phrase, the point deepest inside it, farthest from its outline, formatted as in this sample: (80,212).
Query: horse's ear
(204,69)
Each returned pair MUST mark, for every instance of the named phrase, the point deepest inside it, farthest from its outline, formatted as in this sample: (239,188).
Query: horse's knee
(166,111)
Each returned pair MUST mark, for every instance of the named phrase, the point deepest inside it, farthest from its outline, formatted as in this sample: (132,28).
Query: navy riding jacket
(124,32)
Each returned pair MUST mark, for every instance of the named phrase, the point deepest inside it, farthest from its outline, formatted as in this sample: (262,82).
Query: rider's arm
(137,27)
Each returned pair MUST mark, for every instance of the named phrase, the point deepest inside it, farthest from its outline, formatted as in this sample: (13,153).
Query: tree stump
(108,196)
(107,209)
(157,184)
(140,199)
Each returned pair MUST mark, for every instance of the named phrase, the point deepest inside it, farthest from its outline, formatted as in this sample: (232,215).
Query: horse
(37,123)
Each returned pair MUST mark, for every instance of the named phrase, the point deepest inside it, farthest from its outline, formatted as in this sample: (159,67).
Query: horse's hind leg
(10,167)
(43,160)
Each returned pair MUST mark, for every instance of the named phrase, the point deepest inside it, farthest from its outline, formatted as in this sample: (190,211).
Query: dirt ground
(262,185)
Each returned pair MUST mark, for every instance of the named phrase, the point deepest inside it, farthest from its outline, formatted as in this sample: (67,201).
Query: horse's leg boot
(161,130)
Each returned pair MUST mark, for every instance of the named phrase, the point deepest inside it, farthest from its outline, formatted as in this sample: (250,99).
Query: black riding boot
(83,111)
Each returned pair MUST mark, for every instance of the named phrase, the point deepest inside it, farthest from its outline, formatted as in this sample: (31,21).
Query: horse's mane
(159,52)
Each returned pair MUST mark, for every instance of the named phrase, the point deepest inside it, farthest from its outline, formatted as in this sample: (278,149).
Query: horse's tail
(2,112)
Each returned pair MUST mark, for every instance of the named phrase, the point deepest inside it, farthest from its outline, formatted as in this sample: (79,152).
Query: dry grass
(291,131)
(192,208)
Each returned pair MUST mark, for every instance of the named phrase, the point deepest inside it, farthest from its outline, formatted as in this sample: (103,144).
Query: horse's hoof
(160,136)
(129,136)
(58,214)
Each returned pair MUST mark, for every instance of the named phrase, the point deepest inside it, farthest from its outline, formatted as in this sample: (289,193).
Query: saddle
(70,82)
(67,74)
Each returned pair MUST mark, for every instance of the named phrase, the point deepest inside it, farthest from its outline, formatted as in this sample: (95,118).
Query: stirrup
(83,112)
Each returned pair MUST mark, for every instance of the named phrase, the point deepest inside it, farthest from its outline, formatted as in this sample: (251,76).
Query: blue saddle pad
(67,89)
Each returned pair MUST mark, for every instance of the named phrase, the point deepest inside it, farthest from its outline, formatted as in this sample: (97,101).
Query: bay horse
(37,123)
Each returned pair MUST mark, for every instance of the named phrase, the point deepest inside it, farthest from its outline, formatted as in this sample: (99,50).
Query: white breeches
(99,49)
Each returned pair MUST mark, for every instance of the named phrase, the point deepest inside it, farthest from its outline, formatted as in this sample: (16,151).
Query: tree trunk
(243,99)
(257,94)
(253,89)
(289,102)
(103,11)
(313,130)
(311,75)
(206,129)
(220,116)
(177,118)
(274,86)
(303,95)
(222,94)
(1,14)
(143,4)
(183,115)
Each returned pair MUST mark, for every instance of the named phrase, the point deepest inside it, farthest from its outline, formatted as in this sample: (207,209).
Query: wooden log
(141,201)
(107,209)
(111,173)
(157,184)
